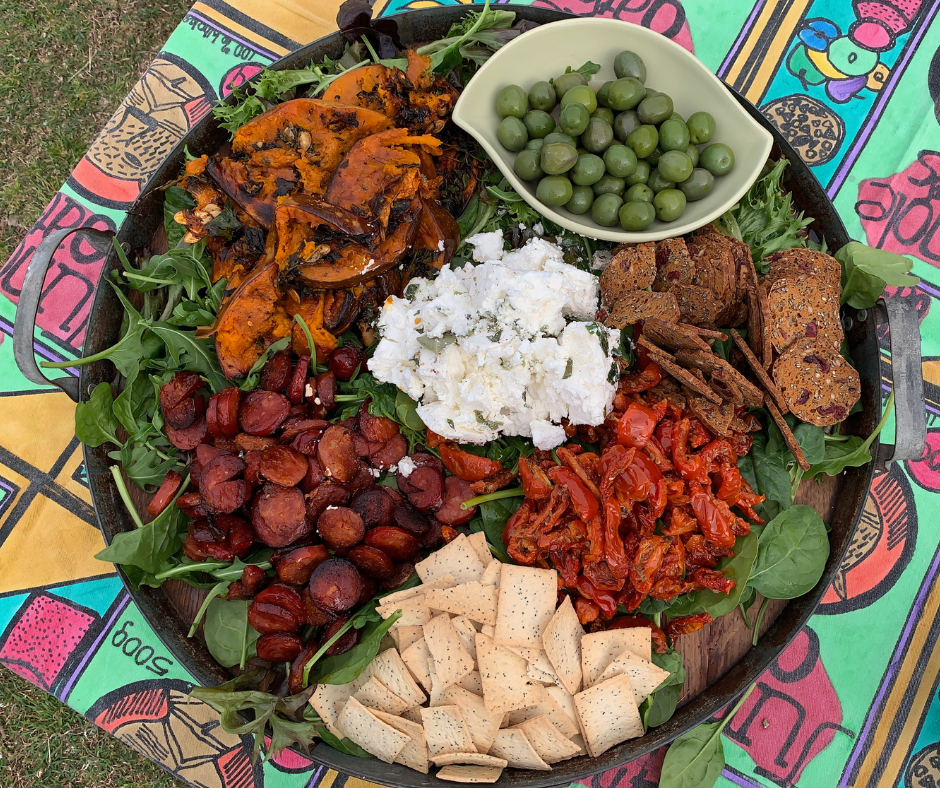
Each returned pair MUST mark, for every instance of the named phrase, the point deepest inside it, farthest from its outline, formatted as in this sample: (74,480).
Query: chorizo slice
(337,454)
(456,491)
(265,618)
(295,425)
(227,403)
(335,586)
(314,477)
(181,416)
(183,385)
(254,578)
(407,517)
(297,386)
(164,496)
(316,616)
(340,527)
(327,494)
(192,549)
(403,573)
(189,438)
(241,537)
(262,412)
(191,504)
(279,515)
(284,596)
(374,506)
(307,442)
(253,467)
(295,676)
(279,646)
(245,442)
(396,543)
(345,642)
(296,566)
(377,429)
(276,373)
(365,447)
(424,485)
(372,562)
(282,465)
(220,493)
(390,453)
(363,480)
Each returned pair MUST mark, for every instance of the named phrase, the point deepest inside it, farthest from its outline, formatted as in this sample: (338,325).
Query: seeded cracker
(369,732)
(467,634)
(818,385)
(375,695)
(547,741)
(527,600)
(562,642)
(716,417)
(801,309)
(414,754)
(469,774)
(475,758)
(414,612)
(406,636)
(548,707)
(711,363)
(472,683)
(482,723)
(676,336)
(482,549)
(473,600)
(514,746)
(608,715)
(565,701)
(760,373)
(673,263)
(644,676)
(641,305)
(667,364)
(503,675)
(324,703)
(416,657)
(632,267)
(599,649)
(696,304)
(491,574)
(446,731)
(451,660)
(458,559)
(389,668)
(788,437)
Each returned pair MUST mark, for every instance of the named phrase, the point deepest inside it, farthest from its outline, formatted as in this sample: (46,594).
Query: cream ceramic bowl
(545,52)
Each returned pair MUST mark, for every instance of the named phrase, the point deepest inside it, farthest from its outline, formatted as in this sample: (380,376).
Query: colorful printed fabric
(852,701)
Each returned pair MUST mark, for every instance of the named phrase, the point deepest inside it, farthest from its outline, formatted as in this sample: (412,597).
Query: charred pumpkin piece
(255,189)
(365,179)
(431,98)
(460,173)
(379,88)
(437,231)
(249,321)
(234,260)
(310,310)
(320,131)
(197,166)
(209,204)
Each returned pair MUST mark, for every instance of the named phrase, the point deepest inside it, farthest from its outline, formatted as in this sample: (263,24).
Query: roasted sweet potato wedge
(438,232)
(254,188)
(379,88)
(311,311)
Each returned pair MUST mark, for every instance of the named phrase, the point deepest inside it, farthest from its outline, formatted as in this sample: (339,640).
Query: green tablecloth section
(852,701)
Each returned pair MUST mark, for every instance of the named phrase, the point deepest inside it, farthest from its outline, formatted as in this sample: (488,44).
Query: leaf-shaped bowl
(545,52)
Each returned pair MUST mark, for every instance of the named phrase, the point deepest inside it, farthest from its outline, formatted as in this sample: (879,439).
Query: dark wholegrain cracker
(760,373)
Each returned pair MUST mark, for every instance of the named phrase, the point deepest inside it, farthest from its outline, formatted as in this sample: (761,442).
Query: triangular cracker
(547,740)
(473,600)
(446,731)
(482,722)
(414,754)
(451,660)
(548,707)
(503,674)
(644,676)
(458,559)
(608,714)
(467,633)
(460,773)
(375,695)
(476,758)
(389,668)
(416,657)
(491,574)
(369,732)
(514,747)
(478,541)
(562,643)
(324,700)
(599,649)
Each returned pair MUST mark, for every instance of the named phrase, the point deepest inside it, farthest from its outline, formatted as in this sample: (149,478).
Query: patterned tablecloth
(855,86)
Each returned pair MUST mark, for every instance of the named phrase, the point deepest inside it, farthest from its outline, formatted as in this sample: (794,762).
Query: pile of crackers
(482,672)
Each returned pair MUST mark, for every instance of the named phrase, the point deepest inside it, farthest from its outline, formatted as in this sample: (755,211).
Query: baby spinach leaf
(143,464)
(344,668)
(766,471)
(343,745)
(228,634)
(812,440)
(791,555)
(217,590)
(738,567)
(851,452)
(95,422)
(697,758)
(661,704)
(191,353)
(490,518)
(866,271)
(148,547)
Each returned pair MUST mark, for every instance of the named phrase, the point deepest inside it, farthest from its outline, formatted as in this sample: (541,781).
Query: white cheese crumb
(601,259)
(376,472)
(440,246)
(308,391)
(546,435)
(316,401)
(538,229)
(406,466)
(487,246)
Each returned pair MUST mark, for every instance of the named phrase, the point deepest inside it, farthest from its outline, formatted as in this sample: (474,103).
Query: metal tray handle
(30,293)
(910,414)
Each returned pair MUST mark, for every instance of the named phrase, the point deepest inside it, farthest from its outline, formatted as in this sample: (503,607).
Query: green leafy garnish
(791,555)
(866,272)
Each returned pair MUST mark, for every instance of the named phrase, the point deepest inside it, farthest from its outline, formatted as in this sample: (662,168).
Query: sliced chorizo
(433,537)
(245,442)
(219,551)
(363,446)
(327,494)
(294,425)
(403,573)
(396,543)
(363,480)
(424,485)
(325,388)
(279,515)
(307,442)
(181,416)
(374,506)
(221,492)
(344,643)
(241,536)
(296,566)
(369,589)
(265,618)
(254,578)
(345,360)
(314,476)
(295,676)
(340,528)
(316,616)
(456,491)
(335,585)
(191,504)
(253,467)
(279,646)
(284,596)
(206,452)
(227,403)
(262,412)
(298,381)
(377,429)
(189,438)
(182,385)
(212,418)
(276,373)
(410,519)
(390,452)
(337,454)
(205,530)
(193,550)
(283,465)
(372,562)
(164,496)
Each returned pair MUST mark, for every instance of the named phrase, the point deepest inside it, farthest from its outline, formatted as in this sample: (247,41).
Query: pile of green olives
(621,153)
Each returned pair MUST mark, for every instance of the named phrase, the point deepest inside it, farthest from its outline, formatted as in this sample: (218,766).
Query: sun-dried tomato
(647,561)
(568,565)
(466,466)
(535,483)
(604,599)
(686,625)
(713,581)
(636,425)
(714,518)
(583,501)
(587,609)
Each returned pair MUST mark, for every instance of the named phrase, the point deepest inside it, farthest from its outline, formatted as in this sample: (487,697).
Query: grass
(65,65)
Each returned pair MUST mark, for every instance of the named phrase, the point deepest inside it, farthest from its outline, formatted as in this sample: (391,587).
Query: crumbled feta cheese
(486,350)
(316,401)
(308,391)
(601,259)
(376,472)
(538,229)
(406,466)
(440,246)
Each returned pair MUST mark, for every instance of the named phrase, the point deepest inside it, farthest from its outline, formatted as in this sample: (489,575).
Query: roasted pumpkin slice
(249,320)
(209,204)
(438,232)
(320,131)
(431,98)
(311,311)
(254,188)
(378,88)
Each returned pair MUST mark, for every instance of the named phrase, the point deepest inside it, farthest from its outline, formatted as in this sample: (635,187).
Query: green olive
(538,123)
(560,136)
(657,182)
(565,82)
(653,158)
(587,170)
(698,185)
(512,102)
(640,175)
(598,136)
(636,215)
(511,133)
(574,119)
(605,209)
(527,165)
(677,116)
(675,166)
(717,158)
(619,160)
(669,205)
(673,135)
(602,93)
(608,184)
(630,64)
(582,198)
(624,123)
(553,190)
(534,144)
(625,94)
(583,151)
(604,114)
(542,96)
(580,94)
(692,152)
(655,109)
(557,157)
(643,140)
(639,192)
(701,127)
